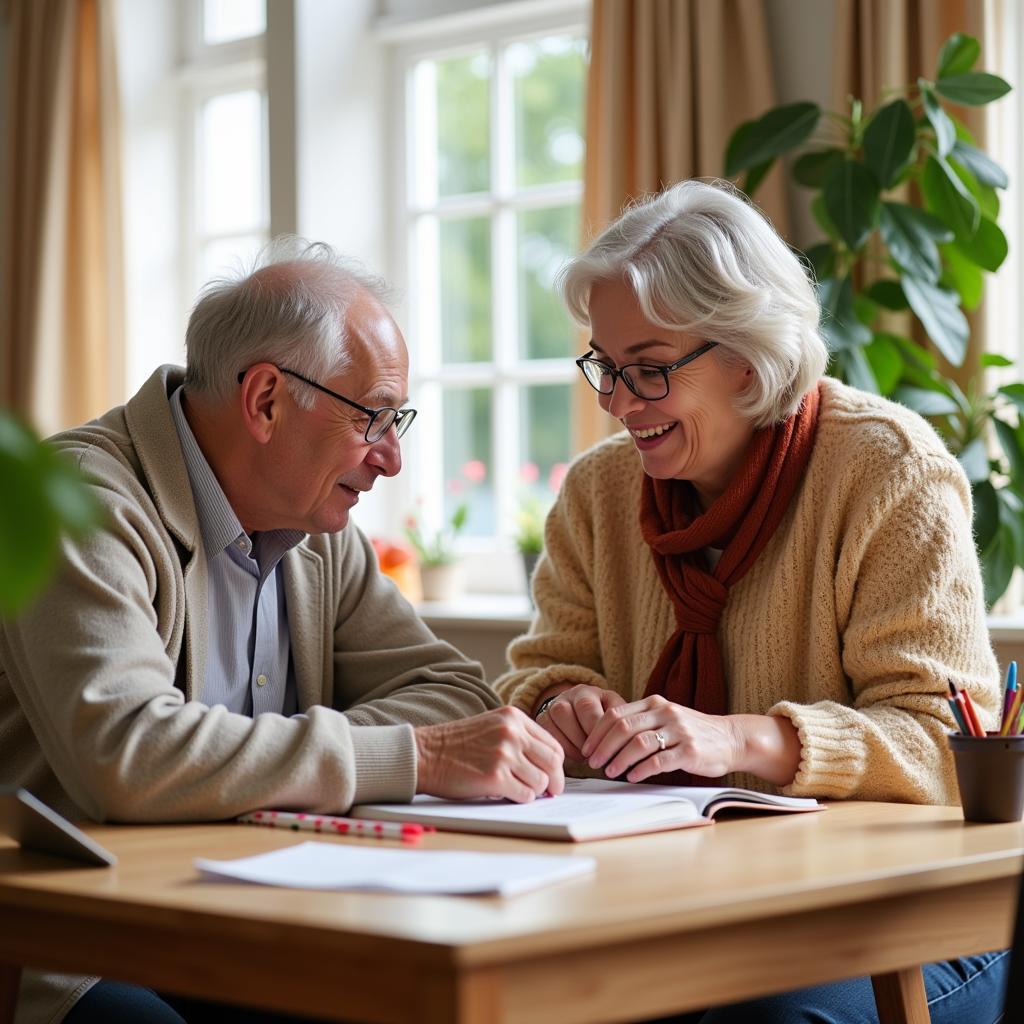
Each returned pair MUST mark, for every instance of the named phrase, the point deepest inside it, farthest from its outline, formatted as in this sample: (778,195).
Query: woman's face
(694,432)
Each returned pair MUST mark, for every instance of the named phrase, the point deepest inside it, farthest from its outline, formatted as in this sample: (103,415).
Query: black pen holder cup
(990,773)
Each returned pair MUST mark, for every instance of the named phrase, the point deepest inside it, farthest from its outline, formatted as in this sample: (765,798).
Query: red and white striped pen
(407,832)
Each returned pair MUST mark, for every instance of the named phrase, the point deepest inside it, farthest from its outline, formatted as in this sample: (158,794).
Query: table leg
(900,997)
(10,978)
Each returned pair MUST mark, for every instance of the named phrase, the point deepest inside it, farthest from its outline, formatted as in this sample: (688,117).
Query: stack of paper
(336,866)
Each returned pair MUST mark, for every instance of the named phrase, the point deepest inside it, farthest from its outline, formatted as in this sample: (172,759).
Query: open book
(588,809)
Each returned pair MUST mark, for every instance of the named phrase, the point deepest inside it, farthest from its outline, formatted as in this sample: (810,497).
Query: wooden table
(672,921)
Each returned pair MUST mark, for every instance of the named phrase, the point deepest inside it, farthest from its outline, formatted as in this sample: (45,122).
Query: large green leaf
(940,313)
(927,403)
(945,131)
(958,54)
(963,276)
(888,293)
(1014,392)
(889,141)
(994,359)
(822,218)
(998,561)
(986,513)
(980,164)
(909,240)
(839,323)
(1011,516)
(987,247)
(852,366)
(755,176)
(822,260)
(812,168)
(1010,441)
(883,354)
(767,137)
(974,460)
(948,198)
(985,196)
(851,200)
(972,88)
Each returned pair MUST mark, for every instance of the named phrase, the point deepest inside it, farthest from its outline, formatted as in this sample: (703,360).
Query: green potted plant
(529,535)
(908,205)
(440,577)
(43,497)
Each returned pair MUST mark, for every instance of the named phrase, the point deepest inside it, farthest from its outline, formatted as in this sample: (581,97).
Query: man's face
(318,460)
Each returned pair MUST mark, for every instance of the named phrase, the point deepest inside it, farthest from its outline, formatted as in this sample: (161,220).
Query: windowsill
(513,611)
(479,611)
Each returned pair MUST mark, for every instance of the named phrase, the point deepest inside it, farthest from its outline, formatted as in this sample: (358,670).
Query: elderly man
(225,641)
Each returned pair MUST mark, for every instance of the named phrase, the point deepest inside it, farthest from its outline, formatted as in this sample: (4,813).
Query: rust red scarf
(690,670)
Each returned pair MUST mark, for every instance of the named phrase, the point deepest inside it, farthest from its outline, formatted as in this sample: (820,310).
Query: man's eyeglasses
(644,380)
(381,420)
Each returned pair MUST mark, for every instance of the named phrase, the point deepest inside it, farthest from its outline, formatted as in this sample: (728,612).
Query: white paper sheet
(335,866)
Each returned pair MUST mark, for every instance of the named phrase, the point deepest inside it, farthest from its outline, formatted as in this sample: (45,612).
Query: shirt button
(261,680)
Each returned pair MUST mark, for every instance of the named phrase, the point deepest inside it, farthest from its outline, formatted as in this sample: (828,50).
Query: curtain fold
(60,248)
(882,45)
(669,81)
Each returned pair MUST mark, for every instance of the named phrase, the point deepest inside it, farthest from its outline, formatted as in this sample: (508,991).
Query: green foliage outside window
(908,205)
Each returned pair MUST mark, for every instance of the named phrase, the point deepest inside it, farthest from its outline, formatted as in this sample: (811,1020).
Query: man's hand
(573,715)
(501,753)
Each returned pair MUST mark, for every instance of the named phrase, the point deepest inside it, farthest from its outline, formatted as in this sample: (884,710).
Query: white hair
(289,309)
(702,259)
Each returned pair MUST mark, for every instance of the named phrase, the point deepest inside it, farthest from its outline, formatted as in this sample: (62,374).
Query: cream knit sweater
(864,602)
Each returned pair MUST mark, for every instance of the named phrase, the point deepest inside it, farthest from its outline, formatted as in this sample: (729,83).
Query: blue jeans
(115,1002)
(966,991)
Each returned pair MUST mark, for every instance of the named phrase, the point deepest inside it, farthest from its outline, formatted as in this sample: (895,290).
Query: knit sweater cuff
(833,755)
(525,695)
(385,760)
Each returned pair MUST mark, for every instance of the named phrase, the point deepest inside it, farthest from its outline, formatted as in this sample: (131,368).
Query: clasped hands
(643,738)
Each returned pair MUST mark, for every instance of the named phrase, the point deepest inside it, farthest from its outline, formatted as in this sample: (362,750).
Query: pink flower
(556,476)
(410,522)
(529,473)
(455,487)
(474,471)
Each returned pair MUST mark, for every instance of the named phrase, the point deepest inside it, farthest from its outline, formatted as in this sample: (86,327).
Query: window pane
(227,256)
(465,269)
(463,124)
(546,239)
(225,20)
(549,77)
(467,457)
(231,163)
(544,438)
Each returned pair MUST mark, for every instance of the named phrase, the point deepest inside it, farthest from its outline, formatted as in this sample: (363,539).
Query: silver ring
(660,737)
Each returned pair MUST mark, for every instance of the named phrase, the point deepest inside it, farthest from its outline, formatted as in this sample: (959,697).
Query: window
(224,145)
(490,203)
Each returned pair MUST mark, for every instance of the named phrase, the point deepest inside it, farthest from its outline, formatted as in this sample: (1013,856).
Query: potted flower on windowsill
(440,574)
(529,536)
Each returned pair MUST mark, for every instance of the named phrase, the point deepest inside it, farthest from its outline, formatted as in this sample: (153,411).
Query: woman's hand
(571,717)
(654,735)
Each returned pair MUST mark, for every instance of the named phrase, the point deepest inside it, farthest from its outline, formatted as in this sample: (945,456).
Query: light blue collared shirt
(248,660)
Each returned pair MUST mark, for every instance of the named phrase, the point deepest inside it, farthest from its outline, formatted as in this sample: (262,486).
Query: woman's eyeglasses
(645,380)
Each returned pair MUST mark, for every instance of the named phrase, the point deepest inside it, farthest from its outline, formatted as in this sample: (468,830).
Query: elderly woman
(766,575)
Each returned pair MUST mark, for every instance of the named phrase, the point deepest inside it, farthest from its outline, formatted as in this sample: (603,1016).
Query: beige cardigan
(101,711)
(864,602)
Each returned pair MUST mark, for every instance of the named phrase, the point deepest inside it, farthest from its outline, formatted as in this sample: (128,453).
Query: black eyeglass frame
(610,372)
(401,419)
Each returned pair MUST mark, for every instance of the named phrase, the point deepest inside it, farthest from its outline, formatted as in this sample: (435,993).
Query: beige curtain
(669,81)
(61,342)
(884,44)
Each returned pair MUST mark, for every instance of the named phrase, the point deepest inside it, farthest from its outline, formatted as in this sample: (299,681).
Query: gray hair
(702,259)
(289,308)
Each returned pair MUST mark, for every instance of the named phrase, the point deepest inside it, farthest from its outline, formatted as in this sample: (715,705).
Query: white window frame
(207,71)
(490,562)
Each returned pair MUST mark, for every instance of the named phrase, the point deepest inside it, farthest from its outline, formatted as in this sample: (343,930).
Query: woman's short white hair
(702,259)
(289,308)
